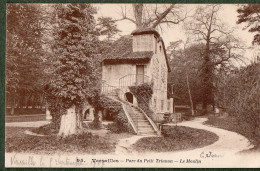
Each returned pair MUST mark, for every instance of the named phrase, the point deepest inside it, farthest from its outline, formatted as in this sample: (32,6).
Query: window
(154,103)
(169,106)
(162,105)
(155,45)
(160,48)
(137,43)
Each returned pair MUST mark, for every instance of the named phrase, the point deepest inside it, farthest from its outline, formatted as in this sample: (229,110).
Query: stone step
(144,124)
(145,128)
(152,134)
(146,132)
(142,121)
(138,117)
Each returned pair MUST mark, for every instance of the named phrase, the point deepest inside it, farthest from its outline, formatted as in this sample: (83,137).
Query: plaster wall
(143,42)
(111,73)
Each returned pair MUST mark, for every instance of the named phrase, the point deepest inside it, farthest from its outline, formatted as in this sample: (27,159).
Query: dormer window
(155,45)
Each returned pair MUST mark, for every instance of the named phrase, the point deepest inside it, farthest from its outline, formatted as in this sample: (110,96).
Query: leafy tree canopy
(250,14)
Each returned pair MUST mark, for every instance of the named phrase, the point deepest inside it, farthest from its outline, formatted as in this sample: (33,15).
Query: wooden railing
(131,80)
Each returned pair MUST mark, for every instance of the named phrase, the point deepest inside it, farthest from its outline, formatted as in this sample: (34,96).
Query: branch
(200,32)
(162,16)
(124,17)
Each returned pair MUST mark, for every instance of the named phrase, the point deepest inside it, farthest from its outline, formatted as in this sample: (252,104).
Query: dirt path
(222,153)
(230,142)
(124,145)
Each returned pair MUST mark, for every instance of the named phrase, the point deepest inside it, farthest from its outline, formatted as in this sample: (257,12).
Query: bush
(110,106)
(95,125)
(240,94)
(143,93)
(120,124)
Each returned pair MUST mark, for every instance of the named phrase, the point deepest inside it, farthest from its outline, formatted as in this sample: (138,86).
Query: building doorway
(86,114)
(139,74)
(129,97)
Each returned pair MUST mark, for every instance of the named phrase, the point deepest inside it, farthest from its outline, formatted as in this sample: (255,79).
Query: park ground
(188,135)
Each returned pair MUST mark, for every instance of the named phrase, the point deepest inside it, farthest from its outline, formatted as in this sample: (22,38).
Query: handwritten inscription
(27,161)
(210,154)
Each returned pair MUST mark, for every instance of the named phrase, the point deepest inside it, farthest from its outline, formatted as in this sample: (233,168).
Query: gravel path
(230,142)
(222,153)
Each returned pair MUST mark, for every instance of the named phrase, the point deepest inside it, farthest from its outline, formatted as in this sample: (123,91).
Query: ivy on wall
(143,94)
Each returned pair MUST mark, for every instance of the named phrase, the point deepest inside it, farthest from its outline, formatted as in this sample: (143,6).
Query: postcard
(132,85)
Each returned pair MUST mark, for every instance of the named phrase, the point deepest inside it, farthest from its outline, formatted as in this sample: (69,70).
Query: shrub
(95,124)
(240,94)
(143,93)
(110,106)
(120,124)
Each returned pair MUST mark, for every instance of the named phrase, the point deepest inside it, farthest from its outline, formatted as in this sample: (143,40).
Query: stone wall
(159,74)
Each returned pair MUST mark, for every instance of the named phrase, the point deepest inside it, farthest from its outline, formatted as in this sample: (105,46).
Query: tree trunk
(12,105)
(96,116)
(42,101)
(33,99)
(79,114)
(188,85)
(69,123)
(48,113)
(27,100)
(206,76)
(138,13)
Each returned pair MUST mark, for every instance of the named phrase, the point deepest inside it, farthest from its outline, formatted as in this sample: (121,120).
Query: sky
(228,15)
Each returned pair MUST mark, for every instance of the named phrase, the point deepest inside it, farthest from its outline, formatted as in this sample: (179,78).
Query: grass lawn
(175,139)
(16,131)
(27,118)
(89,142)
(230,123)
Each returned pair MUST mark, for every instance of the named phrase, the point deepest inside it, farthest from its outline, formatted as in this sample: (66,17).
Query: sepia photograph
(132,85)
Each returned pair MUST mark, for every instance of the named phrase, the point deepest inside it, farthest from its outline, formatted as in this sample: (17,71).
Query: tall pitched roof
(122,51)
(146,31)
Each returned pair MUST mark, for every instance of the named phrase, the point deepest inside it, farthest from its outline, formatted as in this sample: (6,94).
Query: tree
(74,77)
(239,94)
(107,27)
(24,69)
(218,41)
(250,14)
(144,16)
(186,63)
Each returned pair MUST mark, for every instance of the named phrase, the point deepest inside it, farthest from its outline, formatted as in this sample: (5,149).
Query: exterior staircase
(140,122)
